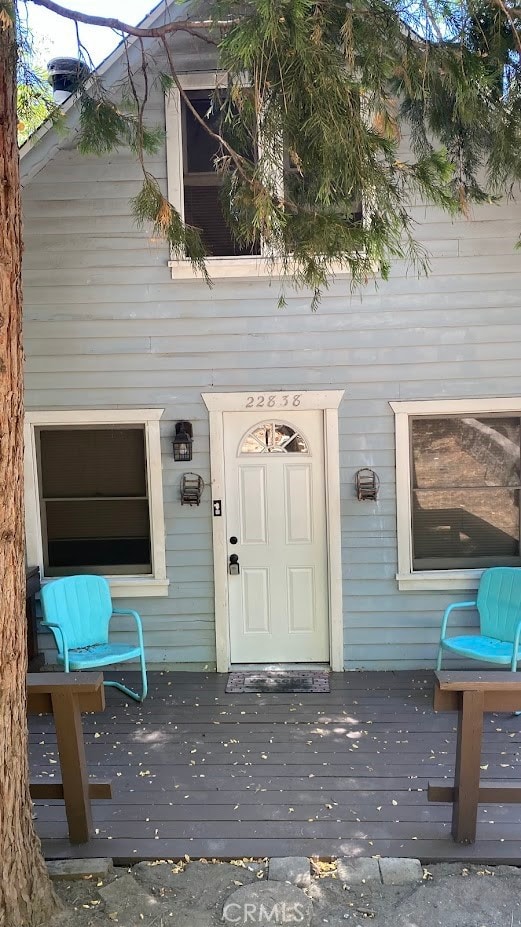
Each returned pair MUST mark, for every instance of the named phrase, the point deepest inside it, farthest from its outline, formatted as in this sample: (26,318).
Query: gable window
(94,497)
(195,187)
(458,490)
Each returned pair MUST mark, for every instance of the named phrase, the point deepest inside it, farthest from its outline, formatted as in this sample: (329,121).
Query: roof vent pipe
(65,76)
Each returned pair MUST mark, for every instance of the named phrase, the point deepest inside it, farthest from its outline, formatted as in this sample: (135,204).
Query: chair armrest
(63,638)
(137,619)
(447,612)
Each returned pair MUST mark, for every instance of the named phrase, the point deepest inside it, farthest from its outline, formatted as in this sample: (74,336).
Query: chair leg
(440,657)
(130,692)
(515,714)
(144,680)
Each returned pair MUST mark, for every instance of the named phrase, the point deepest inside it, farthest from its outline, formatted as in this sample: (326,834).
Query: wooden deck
(206,774)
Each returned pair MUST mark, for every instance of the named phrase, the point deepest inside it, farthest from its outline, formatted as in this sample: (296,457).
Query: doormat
(291,681)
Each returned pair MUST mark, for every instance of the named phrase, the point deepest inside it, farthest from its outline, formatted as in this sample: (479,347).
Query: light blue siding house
(418,380)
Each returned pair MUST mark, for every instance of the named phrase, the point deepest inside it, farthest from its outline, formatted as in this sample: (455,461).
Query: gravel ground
(193,894)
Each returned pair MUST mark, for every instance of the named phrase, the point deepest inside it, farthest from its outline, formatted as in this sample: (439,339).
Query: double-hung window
(195,187)
(458,490)
(94,497)
(203,194)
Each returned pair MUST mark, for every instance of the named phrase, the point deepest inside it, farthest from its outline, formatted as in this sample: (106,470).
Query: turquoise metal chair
(78,610)
(499,606)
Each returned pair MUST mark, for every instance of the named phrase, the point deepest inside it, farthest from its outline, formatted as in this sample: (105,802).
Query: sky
(55,36)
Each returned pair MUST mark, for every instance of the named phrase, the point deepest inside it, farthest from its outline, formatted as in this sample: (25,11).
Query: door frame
(328,402)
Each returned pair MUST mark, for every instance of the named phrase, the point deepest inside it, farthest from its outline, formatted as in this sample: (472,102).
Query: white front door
(276,526)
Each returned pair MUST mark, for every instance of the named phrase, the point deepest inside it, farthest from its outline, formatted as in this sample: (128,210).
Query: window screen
(94,501)
(204,202)
(465,491)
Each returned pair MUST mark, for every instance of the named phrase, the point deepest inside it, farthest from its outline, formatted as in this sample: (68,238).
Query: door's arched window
(273,438)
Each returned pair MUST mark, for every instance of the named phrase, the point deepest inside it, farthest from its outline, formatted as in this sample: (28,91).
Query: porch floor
(202,773)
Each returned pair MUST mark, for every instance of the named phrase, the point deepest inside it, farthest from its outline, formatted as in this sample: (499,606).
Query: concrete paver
(354,871)
(293,869)
(398,871)
(97,868)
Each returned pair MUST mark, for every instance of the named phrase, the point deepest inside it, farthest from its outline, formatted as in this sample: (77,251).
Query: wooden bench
(471,694)
(65,696)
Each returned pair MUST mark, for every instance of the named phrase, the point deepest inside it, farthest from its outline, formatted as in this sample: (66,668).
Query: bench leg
(69,735)
(468,755)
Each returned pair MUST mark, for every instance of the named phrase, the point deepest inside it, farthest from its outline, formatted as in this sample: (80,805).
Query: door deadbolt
(233,539)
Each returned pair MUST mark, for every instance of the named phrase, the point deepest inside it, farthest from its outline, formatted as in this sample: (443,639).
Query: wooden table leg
(69,734)
(468,755)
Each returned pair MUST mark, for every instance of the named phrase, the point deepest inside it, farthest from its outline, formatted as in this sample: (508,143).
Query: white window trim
(121,586)
(218,267)
(466,579)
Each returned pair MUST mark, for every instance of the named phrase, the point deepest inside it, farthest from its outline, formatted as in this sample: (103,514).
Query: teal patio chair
(499,606)
(78,610)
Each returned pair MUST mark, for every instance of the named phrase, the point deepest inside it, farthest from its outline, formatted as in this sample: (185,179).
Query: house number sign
(273,401)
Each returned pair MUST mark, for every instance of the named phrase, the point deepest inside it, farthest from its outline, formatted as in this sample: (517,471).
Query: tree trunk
(26,895)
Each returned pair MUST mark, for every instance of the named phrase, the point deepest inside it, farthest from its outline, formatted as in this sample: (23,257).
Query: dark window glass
(200,148)
(204,195)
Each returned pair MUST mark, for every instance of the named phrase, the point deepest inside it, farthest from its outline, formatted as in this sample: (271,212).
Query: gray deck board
(198,772)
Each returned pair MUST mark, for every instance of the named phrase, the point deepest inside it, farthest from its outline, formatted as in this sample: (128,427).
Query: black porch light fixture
(182,443)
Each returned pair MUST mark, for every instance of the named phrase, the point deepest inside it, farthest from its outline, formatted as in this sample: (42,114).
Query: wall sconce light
(367,485)
(182,443)
(192,487)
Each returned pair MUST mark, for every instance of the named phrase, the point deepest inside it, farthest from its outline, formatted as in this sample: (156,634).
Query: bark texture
(26,895)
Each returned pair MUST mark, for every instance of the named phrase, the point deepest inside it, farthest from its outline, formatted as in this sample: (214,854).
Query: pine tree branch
(509,14)
(432,20)
(119,26)
(140,102)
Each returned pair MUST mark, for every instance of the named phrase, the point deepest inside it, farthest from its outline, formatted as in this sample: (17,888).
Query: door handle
(233,565)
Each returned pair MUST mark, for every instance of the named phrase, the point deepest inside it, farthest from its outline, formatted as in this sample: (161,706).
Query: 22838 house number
(273,401)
